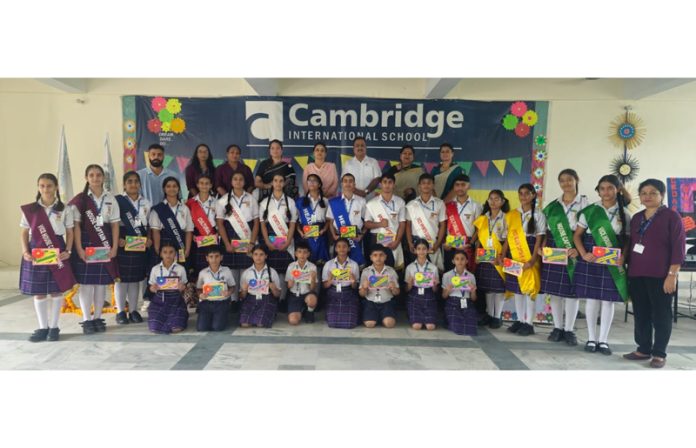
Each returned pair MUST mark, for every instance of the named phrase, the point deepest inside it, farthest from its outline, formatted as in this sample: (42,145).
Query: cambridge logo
(264,119)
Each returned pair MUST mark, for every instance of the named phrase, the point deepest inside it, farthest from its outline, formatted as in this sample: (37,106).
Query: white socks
(571,312)
(494,304)
(41,308)
(557,306)
(524,306)
(99,299)
(128,291)
(591,313)
(57,302)
(607,318)
(91,295)
(592,308)
(490,305)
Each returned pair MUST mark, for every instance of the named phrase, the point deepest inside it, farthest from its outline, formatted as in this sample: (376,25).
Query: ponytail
(265,211)
(504,208)
(228,207)
(621,202)
(531,225)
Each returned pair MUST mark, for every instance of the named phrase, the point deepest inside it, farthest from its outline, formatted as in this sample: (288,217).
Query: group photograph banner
(499,144)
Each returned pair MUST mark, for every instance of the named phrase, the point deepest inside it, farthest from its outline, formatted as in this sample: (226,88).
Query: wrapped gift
(258,287)
(512,267)
(206,240)
(348,231)
(554,255)
(214,291)
(240,245)
(424,279)
(277,241)
(310,231)
(135,243)
(299,276)
(378,281)
(341,274)
(485,255)
(385,237)
(606,255)
(45,256)
(97,254)
(457,242)
(462,282)
(168,283)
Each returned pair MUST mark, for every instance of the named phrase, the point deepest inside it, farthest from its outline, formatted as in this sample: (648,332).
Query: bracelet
(672,273)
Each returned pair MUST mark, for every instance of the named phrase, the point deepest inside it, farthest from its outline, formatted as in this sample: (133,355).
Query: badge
(490,241)
(100,220)
(462,303)
(421,291)
(137,222)
(338,287)
(638,248)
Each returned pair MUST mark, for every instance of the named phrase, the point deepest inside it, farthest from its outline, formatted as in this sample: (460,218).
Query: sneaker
(524,330)
(308,317)
(99,325)
(604,349)
(515,327)
(570,338)
(53,334)
(495,323)
(556,335)
(135,317)
(122,318)
(39,335)
(590,346)
(88,327)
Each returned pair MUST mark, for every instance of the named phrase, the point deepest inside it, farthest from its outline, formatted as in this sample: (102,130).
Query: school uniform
(460,312)
(421,303)
(278,260)
(349,212)
(378,303)
(259,311)
(343,301)
(132,265)
(239,223)
(314,214)
(511,283)
(432,213)
(183,218)
(214,315)
(297,294)
(487,276)
(209,208)
(468,212)
(167,310)
(394,211)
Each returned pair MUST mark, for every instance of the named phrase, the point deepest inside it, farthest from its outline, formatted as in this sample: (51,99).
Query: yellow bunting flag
(302,160)
(251,163)
(394,162)
(500,164)
(345,158)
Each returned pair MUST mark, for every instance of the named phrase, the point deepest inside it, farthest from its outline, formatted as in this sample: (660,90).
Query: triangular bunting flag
(500,164)
(251,163)
(302,160)
(429,166)
(381,164)
(167,160)
(182,162)
(344,159)
(147,160)
(394,162)
(466,166)
(482,165)
(516,163)
(218,162)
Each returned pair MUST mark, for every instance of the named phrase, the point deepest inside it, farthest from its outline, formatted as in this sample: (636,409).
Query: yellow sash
(482,225)
(530,280)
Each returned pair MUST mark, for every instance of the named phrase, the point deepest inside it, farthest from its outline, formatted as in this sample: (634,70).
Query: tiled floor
(313,347)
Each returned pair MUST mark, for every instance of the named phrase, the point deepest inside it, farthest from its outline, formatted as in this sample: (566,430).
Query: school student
(426,219)
(46,224)
(97,215)
(379,283)
(603,224)
(346,211)
(459,292)
(167,312)
(311,210)
(237,216)
(171,221)
(132,260)
(202,208)
(259,290)
(385,217)
(301,277)
(491,233)
(461,213)
(526,227)
(340,277)
(422,279)
(557,280)
(215,286)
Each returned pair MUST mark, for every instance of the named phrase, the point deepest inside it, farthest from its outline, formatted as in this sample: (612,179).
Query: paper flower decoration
(154,126)
(549,318)
(165,116)
(130,143)
(166,126)
(522,130)
(537,186)
(627,131)
(625,167)
(540,140)
(518,108)
(178,125)
(540,316)
(540,155)
(514,316)
(174,106)
(129,159)
(129,126)
(158,104)
(510,122)
(530,118)
(507,315)
(539,173)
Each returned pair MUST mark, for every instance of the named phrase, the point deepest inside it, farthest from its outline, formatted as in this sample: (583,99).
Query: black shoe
(99,325)
(590,346)
(525,330)
(604,349)
(495,323)
(135,317)
(570,338)
(308,317)
(485,320)
(88,327)
(556,335)
(122,318)
(53,334)
(515,327)
(39,335)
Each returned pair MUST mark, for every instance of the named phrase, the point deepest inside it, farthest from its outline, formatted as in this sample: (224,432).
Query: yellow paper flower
(178,126)
(174,105)
(530,118)
(166,126)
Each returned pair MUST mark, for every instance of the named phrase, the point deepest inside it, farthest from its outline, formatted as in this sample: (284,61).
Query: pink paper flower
(158,104)
(521,130)
(154,126)
(518,108)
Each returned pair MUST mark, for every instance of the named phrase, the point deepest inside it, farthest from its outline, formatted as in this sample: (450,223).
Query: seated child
(301,276)
(167,312)
(459,295)
(215,287)
(378,291)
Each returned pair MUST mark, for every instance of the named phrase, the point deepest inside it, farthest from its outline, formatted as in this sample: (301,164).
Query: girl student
(459,292)
(491,232)
(132,260)
(344,211)
(171,221)
(526,227)
(237,216)
(603,224)
(260,289)
(203,209)
(422,279)
(46,224)
(557,280)
(311,210)
(167,312)
(97,215)
(340,277)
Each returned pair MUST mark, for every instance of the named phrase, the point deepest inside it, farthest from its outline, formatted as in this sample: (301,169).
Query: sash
(530,280)
(318,246)
(560,230)
(43,236)
(95,233)
(280,228)
(170,225)
(422,227)
(199,218)
(240,226)
(455,226)
(378,210)
(482,223)
(604,235)
(128,215)
(342,218)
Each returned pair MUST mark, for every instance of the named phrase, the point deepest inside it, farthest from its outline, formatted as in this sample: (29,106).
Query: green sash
(561,231)
(604,235)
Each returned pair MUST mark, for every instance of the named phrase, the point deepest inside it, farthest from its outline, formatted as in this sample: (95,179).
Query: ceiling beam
(436,88)
(636,89)
(67,85)
(264,86)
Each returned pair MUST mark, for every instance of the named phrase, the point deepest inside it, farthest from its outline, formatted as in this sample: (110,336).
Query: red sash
(199,218)
(43,236)
(455,226)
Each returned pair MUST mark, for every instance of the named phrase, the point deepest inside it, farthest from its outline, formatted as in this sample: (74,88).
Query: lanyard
(338,266)
(350,205)
(257,277)
(169,271)
(613,214)
(463,207)
(176,212)
(432,209)
(645,224)
(238,204)
(314,209)
(491,227)
(136,204)
(392,208)
(101,203)
(207,209)
(278,202)
(217,276)
(425,269)
(571,208)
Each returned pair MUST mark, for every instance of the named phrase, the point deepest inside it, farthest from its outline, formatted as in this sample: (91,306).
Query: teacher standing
(272,167)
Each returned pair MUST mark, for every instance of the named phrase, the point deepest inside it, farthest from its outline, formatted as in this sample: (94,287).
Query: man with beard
(151,177)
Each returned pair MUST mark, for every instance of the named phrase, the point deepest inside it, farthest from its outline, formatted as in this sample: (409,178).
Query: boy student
(215,287)
(461,214)
(379,284)
(301,276)
(385,217)
(426,220)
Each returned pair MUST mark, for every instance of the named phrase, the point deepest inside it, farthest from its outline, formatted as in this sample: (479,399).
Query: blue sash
(128,215)
(171,229)
(338,208)
(318,245)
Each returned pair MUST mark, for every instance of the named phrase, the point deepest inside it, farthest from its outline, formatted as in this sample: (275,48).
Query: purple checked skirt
(235,260)
(421,309)
(594,281)
(343,308)
(461,320)
(38,280)
(488,279)
(132,266)
(90,273)
(166,312)
(555,279)
(258,313)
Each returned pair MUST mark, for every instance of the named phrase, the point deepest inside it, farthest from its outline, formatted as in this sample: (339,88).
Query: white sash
(280,227)
(238,223)
(379,212)
(422,227)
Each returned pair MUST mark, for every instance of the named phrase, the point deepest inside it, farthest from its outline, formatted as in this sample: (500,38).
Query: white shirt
(175,270)
(151,183)
(252,273)
(301,288)
(355,207)
(335,264)
(209,208)
(59,220)
(384,292)
(396,208)
(539,221)
(498,226)
(364,172)
(246,204)
(318,213)
(415,267)
(447,280)
(573,209)
(142,206)
(182,214)
(223,275)
(434,211)
(106,206)
(468,210)
(279,206)
(614,218)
